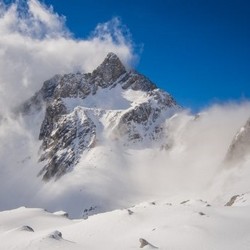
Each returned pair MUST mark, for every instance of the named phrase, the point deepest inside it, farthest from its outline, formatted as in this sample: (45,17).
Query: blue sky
(197,50)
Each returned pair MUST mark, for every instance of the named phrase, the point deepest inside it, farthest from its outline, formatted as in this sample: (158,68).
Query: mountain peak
(112,56)
(110,69)
(83,109)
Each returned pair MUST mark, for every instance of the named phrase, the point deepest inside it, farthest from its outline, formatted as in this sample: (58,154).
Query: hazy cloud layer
(111,176)
(35,44)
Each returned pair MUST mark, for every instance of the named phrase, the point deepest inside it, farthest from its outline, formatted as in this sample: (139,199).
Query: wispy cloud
(35,44)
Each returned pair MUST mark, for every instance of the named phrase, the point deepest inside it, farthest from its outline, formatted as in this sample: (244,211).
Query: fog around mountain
(146,147)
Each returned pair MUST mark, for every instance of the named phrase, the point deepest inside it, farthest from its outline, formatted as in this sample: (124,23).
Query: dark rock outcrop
(146,243)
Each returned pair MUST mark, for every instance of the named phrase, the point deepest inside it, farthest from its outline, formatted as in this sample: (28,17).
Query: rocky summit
(83,110)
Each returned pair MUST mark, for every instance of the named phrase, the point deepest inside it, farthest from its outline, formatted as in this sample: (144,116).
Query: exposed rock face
(26,228)
(146,243)
(150,115)
(232,200)
(71,135)
(240,146)
(108,72)
(81,108)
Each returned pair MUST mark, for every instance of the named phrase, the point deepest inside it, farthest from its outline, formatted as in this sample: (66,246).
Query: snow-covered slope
(175,224)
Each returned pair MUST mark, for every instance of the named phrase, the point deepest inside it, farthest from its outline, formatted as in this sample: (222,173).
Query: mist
(112,176)
(193,166)
(35,44)
(195,161)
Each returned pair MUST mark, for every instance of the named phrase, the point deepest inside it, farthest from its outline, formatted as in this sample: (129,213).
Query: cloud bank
(111,177)
(35,44)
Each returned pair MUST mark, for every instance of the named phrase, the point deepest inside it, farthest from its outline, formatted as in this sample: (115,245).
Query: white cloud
(43,15)
(35,45)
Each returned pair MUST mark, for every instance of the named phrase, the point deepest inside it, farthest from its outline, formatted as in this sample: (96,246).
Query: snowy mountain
(83,110)
(129,165)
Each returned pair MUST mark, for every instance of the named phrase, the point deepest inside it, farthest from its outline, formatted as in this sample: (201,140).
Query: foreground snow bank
(187,224)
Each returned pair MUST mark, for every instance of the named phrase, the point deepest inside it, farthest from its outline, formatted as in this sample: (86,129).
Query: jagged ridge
(81,108)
